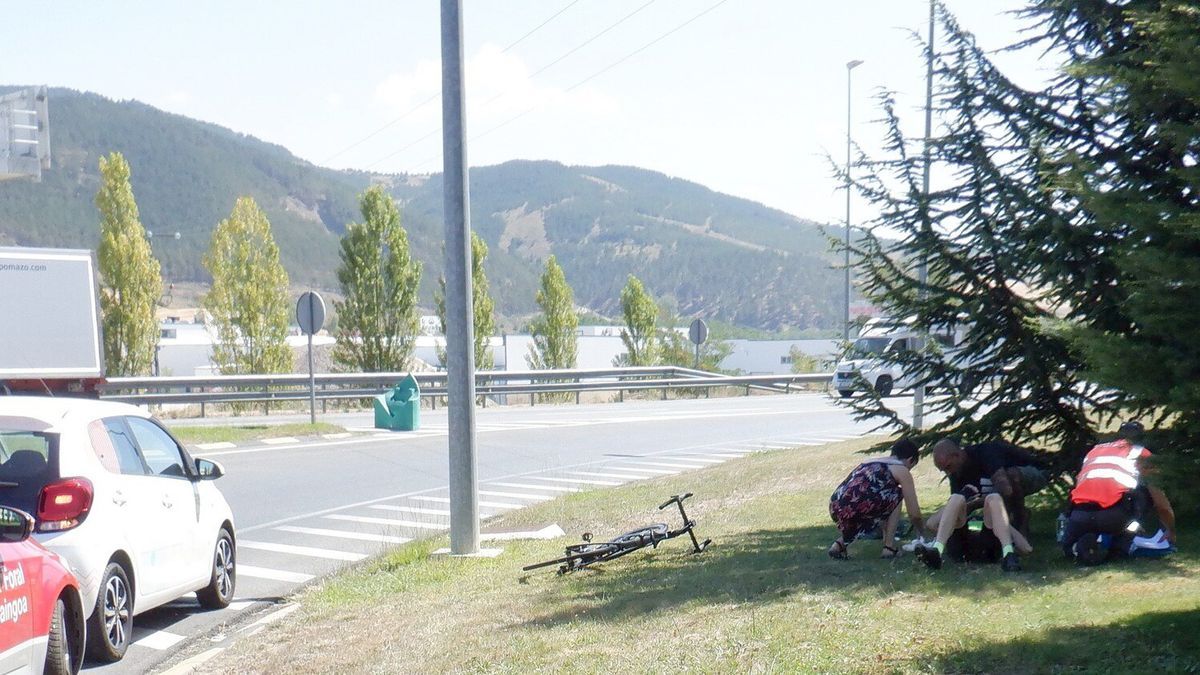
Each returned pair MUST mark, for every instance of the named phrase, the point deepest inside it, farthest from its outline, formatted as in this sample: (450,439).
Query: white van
(866,357)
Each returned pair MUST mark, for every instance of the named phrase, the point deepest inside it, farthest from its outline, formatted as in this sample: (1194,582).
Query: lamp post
(850,66)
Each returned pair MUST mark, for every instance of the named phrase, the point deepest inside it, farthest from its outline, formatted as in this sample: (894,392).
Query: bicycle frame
(587,553)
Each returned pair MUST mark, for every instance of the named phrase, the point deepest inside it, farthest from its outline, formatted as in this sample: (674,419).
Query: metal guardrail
(348,386)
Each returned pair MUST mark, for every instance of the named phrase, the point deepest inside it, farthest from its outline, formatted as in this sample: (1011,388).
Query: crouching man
(1110,500)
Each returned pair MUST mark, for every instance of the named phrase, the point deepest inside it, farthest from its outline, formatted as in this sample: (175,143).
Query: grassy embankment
(764,598)
(248,432)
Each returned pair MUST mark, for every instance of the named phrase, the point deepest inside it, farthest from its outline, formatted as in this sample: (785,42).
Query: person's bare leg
(889,530)
(995,518)
(931,524)
(952,515)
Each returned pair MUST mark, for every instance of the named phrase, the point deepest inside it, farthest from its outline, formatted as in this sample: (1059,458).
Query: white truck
(50,339)
(878,338)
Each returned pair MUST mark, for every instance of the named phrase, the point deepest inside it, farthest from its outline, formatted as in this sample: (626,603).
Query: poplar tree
(130,280)
(377,319)
(641,317)
(249,296)
(555,343)
(483,308)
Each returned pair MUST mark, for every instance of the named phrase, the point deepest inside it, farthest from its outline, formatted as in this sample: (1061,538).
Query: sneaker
(912,545)
(929,555)
(1011,563)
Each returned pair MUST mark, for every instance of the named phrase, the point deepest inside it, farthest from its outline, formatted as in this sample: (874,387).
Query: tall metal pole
(850,66)
(922,268)
(460,357)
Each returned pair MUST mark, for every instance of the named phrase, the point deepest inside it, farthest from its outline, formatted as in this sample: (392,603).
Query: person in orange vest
(1111,498)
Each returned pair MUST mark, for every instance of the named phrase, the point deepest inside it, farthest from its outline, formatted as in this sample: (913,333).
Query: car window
(160,451)
(114,447)
(26,454)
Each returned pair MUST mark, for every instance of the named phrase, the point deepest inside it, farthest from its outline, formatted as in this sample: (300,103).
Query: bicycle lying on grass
(588,553)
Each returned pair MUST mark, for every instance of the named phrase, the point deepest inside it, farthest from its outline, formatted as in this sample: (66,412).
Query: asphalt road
(305,507)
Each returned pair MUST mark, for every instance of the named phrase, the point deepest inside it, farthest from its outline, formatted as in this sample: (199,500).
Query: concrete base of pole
(483,553)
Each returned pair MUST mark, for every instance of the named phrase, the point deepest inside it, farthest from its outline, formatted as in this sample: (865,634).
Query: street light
(850,66)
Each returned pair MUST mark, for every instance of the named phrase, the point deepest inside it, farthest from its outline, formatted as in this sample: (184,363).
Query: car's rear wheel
(111,624)
(883,386)
(846,393)
(219,591)
(62,651)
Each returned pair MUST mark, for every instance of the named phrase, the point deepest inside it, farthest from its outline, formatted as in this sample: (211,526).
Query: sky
(747,97)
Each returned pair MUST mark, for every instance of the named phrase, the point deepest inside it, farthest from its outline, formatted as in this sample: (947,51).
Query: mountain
(701,252)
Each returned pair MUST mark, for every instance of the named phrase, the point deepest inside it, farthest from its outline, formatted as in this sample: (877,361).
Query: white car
(139,521)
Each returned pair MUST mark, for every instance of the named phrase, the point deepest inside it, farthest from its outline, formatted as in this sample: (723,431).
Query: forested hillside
(704,253)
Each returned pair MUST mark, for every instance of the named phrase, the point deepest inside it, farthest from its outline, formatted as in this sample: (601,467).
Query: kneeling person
(871,494)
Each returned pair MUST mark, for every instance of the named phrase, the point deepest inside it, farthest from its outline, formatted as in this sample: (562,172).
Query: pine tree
(249,296)
(555,343)
(483,308)
(377,320)
(641,316)
(1131,173)
(984,235)
(130,281)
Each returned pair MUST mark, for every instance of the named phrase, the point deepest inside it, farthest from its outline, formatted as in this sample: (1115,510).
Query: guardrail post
(577,392)
(621,395)
(202,408)
(747,390)
(664,393)
(532,398)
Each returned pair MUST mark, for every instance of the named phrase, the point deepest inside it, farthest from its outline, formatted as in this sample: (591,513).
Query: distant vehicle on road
(41,614)
(867,357)
(139,520)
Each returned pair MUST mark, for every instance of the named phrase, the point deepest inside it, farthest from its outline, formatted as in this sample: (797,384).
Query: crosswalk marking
(694,459)
(576,481)
(274,575)
(491,505)
(516,495)
(160,640)
(726,455)
(527,486)
(410,509)
(387,521)
(309,551)
(673,465)
(344,534)
(603,474)
(642,469)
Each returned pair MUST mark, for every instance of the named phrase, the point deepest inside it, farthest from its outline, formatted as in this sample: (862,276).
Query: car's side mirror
(207,469)
(15,525)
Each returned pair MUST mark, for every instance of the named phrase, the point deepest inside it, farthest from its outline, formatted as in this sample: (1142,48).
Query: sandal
(889,552)
(838,550)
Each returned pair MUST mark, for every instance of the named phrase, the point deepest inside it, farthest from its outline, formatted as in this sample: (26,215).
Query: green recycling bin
(399,409)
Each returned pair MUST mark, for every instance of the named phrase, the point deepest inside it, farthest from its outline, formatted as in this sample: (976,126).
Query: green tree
(801,362)
(1134,183)
(249,296)
(130,281)
(483,309)
(377,320)
(641,317)
(555,344)
(677,349)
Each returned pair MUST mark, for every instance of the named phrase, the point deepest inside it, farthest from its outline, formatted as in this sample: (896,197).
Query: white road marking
(280,440)
(343,534)
(575,481)
(160,640)
(410,509)
(311,552)
(275,575)
(239,605)
(516,495)
(527,486)
(492,505)
(692,459)
(215,446)
(387,521)
(642,469)
(726,455)
(605,474)
(673,465)
(274,616)
(334,437)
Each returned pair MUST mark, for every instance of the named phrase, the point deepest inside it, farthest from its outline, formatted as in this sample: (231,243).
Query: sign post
(698,333)
(310,315)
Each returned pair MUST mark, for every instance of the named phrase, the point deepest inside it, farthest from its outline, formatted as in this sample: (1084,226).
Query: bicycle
(588,553)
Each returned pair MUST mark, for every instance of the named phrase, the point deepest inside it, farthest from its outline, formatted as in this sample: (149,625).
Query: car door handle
(118,498)
(166,501)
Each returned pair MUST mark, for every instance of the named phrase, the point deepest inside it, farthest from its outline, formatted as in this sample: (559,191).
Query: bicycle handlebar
(675,499)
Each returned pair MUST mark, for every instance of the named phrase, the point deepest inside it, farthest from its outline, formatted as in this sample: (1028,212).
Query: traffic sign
(310,312)
(698,332)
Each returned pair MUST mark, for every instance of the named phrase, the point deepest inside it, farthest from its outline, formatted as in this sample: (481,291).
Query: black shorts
(967,545)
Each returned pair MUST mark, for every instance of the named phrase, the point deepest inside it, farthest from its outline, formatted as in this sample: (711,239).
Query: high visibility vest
(1109,471)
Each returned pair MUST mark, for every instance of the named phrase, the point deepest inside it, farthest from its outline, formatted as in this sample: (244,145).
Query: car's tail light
(64,504)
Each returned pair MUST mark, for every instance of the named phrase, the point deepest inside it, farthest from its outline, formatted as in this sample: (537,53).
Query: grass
(764,598)
(248,432)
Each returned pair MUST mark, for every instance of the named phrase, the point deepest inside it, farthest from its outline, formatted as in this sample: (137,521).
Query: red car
(41,614)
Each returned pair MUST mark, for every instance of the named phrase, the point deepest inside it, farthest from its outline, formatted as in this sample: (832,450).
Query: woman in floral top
(871,494)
